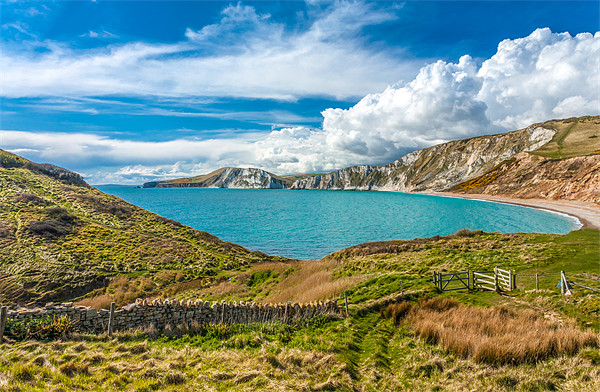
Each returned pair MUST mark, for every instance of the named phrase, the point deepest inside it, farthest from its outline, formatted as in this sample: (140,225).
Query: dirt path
(588,214)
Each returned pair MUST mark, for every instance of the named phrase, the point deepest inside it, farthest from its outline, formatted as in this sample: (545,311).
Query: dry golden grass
(101,301)
(496,335)
(121,290)
(397,312)
(312,281)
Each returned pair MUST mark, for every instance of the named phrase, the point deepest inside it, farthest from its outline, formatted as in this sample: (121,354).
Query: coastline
(588,214)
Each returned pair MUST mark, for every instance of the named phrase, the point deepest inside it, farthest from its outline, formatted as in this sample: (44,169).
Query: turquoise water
(312,224)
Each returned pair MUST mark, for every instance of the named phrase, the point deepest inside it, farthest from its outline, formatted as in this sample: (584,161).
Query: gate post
(496,279)
(469,285)
(513,282)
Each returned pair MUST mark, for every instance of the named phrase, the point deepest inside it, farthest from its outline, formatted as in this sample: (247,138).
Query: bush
(39,328)
(50,228)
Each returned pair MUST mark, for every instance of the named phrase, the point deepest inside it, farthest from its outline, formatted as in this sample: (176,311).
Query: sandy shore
(587,213)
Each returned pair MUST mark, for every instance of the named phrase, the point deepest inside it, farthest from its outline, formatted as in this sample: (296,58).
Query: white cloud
(245,54)
(540,77)
(100,34)
(545,75)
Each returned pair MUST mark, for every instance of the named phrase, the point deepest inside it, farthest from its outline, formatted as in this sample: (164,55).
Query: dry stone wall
(157,313)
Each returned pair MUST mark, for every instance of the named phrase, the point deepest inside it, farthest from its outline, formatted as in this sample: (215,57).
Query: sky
(133,91)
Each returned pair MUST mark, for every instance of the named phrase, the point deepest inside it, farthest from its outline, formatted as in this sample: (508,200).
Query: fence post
(469,285)
(537,281)
(3,311)
(513,282)
(496,279)
(346,302)
(563,280)
(111,319)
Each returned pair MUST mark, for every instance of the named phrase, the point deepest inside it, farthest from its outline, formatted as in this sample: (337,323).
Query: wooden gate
(485,280)
(451,281)
(496,280)
(505,279)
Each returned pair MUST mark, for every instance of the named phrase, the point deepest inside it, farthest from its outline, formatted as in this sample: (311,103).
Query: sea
(311,224)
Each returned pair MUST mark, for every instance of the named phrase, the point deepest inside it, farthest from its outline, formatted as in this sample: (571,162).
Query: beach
(587,213)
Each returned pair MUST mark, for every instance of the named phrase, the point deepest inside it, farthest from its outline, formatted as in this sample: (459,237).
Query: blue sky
(130,91)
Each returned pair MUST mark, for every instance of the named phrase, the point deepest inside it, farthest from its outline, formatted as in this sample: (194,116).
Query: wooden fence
(495,280)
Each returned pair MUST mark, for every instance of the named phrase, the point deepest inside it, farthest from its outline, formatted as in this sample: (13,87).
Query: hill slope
(61,238)
(556,159)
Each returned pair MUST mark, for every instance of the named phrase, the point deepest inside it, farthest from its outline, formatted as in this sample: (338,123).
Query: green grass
(574,137)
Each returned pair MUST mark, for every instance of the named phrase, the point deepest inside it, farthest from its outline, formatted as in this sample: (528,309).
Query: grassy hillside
(62,239)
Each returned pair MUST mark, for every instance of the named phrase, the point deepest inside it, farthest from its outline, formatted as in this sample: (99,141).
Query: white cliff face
(247,178)
(538,137)
(435,168)
(229,177)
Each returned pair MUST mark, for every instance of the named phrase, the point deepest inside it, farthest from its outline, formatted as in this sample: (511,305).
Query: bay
(312,224)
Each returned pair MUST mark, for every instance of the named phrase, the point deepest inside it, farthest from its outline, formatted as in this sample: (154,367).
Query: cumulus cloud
(244,54)
(545,75)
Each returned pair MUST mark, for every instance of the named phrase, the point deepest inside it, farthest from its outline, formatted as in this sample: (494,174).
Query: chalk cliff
(228,177)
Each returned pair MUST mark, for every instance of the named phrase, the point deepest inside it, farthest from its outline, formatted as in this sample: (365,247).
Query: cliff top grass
(574,137)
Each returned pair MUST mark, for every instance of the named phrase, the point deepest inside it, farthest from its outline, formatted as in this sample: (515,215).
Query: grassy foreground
(364,352)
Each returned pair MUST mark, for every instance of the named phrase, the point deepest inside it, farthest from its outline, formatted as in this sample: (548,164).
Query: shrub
(49,228)
(61,223)
(39,328)
(464,233)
